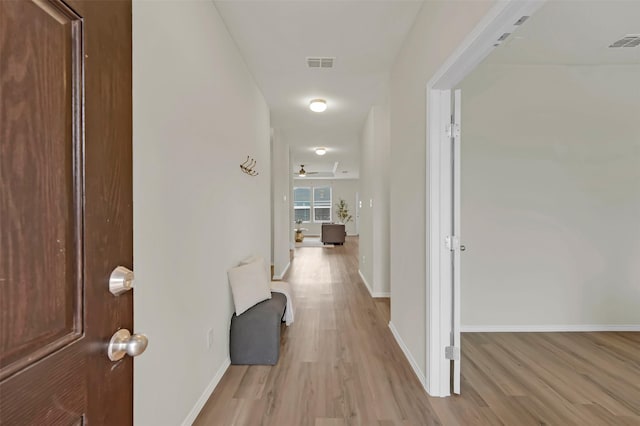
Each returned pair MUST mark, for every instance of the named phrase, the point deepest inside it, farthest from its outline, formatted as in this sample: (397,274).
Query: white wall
(197,115)
(551,196)
(341,188)
(281,174)
(439,28)
(374,193)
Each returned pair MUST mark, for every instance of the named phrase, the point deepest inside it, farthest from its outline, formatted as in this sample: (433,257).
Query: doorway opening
(443,201)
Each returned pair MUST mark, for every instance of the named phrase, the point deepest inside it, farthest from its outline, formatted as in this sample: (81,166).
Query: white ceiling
(573,33)
(275,37)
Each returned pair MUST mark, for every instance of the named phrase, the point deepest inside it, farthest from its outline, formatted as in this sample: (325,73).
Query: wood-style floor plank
(340,366)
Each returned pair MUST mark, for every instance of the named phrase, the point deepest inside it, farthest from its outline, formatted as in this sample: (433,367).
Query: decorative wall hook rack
(248,167)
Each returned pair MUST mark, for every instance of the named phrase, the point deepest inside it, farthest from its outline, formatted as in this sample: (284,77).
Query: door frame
(501,19)
(357,213)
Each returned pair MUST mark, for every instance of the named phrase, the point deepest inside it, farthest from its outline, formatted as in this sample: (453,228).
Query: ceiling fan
(303,172)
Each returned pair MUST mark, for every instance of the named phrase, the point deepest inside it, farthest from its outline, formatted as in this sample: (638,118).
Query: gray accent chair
(255,334)
(332,233)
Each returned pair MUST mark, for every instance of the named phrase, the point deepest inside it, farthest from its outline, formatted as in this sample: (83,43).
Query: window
(322,204)
(304,201)
(302,204)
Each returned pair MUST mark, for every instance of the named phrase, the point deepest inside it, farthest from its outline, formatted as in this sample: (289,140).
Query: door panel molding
(44,197)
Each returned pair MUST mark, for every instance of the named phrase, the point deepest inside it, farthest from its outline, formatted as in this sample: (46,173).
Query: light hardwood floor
(340,365)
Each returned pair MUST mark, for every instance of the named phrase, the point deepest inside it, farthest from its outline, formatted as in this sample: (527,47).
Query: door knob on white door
(123,343)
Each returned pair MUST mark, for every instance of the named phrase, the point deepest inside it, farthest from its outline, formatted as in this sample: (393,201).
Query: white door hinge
(452,353)
(452,242)
(453,130)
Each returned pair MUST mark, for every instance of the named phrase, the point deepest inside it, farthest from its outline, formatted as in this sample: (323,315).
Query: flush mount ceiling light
(318,105)
(321,151)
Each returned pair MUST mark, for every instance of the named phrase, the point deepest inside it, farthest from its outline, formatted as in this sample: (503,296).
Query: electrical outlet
(210,338)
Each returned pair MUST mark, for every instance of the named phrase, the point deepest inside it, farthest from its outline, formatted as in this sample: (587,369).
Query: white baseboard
(371,292)
(407,354)
(191,417)
(281,276)
(364,280)
(546,328)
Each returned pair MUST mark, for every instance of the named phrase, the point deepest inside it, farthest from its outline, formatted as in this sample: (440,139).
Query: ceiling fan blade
(303,172)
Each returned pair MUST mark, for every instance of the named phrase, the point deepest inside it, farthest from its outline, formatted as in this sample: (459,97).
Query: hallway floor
(340,365)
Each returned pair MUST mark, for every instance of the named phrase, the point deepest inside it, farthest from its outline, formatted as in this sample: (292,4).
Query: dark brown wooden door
(65,210)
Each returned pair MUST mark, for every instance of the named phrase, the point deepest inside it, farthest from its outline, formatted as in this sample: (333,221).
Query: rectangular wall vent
(630,40)
(504,36)
(320,62)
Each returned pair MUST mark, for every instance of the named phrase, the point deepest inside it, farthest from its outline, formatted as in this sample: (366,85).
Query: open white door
(456,248)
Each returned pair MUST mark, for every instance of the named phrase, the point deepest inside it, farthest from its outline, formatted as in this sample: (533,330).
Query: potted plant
(298,229)
(342,212)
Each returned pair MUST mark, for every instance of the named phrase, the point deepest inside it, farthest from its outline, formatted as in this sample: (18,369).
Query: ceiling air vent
(521,20)
(318,62)
(630,40)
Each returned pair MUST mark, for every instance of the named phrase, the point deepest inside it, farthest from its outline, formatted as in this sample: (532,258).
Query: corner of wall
(365,282)
(193,414)
(281,274)
(407,353)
